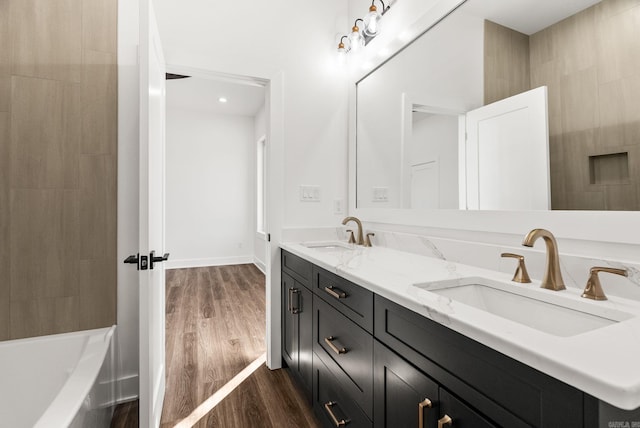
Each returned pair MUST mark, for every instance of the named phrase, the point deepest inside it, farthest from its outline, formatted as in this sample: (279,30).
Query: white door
(152,292)
(507,154)
(425,185)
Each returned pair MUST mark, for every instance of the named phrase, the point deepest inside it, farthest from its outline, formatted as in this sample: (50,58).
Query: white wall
(210,187)
(264,39)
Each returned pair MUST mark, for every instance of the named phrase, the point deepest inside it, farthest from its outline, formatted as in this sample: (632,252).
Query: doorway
(215,228)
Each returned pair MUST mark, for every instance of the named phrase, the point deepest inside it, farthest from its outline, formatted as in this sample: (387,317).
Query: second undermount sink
(541,310)
(329,247)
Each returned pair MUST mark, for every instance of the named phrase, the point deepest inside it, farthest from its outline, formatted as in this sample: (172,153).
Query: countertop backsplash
(484,250)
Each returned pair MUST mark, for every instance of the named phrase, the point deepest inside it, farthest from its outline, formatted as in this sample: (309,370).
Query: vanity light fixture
(358,38)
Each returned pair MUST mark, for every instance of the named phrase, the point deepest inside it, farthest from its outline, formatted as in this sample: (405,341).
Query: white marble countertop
(603,362)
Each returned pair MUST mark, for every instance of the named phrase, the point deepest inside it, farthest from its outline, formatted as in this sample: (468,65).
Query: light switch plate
(310,193)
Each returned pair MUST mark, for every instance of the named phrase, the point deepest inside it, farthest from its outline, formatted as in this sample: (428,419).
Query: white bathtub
(62,380)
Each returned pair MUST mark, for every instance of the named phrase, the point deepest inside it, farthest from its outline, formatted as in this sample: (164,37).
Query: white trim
(127,388)
(211,261)
(275,216)
(261,266)
(218,76)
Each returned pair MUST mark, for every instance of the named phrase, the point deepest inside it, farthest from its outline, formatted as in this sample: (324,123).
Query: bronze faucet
(360,239)
(552,279)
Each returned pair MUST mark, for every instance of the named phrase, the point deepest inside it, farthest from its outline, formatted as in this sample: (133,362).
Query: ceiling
(526,16)
(201,94)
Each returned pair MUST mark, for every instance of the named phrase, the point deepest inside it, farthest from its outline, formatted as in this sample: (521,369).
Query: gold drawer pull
(424,403)
(338,423)
(445,420)
(335,292)
(329,341)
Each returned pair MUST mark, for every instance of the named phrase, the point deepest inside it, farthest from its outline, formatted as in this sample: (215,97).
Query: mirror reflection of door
(425,185)
(507,154)
(431,158)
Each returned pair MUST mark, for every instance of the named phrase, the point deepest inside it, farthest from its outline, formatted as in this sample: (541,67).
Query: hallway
(216,328)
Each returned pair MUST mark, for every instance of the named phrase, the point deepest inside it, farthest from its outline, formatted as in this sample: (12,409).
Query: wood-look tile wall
(590,63)
(58,166)
(506,62)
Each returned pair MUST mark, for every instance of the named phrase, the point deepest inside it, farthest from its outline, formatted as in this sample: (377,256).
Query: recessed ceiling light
(222,99)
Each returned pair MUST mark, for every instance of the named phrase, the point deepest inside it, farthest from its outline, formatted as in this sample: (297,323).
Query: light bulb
(356,41)
(342,49)
(372,22)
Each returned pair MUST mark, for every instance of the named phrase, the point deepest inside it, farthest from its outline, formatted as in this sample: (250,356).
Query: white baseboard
(260,265)
(213,261)
(126,388)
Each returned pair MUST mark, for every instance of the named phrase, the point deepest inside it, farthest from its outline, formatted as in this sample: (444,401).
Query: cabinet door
(456,414)
(404,396)
(290,325)
(297,330)
(305,338)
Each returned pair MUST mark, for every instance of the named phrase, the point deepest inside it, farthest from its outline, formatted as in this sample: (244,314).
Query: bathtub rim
(77,387)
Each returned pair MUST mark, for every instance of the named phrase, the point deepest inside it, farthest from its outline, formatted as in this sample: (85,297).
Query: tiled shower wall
(590,63)
(58,166)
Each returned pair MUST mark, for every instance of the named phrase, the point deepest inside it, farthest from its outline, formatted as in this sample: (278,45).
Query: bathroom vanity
(379,337)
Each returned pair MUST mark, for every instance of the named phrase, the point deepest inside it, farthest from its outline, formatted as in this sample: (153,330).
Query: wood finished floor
(215,328)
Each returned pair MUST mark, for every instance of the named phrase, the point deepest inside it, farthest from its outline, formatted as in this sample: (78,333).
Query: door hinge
(268,237)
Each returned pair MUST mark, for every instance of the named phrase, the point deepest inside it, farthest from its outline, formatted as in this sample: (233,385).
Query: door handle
(132,259)
(153,259)
(138,260)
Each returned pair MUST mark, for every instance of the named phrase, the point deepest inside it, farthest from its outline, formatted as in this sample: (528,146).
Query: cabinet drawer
(297,267)
(347,350)
(352,300)
(512,394)
(331,404)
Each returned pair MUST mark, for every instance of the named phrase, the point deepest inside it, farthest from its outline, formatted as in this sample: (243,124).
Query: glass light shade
(372,23)
(342,51)
(356,41)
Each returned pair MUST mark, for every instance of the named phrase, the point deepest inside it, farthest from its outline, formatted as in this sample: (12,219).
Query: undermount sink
(329,247)
(538,309)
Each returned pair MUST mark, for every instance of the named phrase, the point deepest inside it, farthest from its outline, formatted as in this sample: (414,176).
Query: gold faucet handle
(521,275)
(367,240)
(352,239)
(593,290)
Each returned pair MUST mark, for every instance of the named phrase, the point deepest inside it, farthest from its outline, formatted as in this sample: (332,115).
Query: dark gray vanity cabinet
(366,361)
(297,319)
(505,392)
